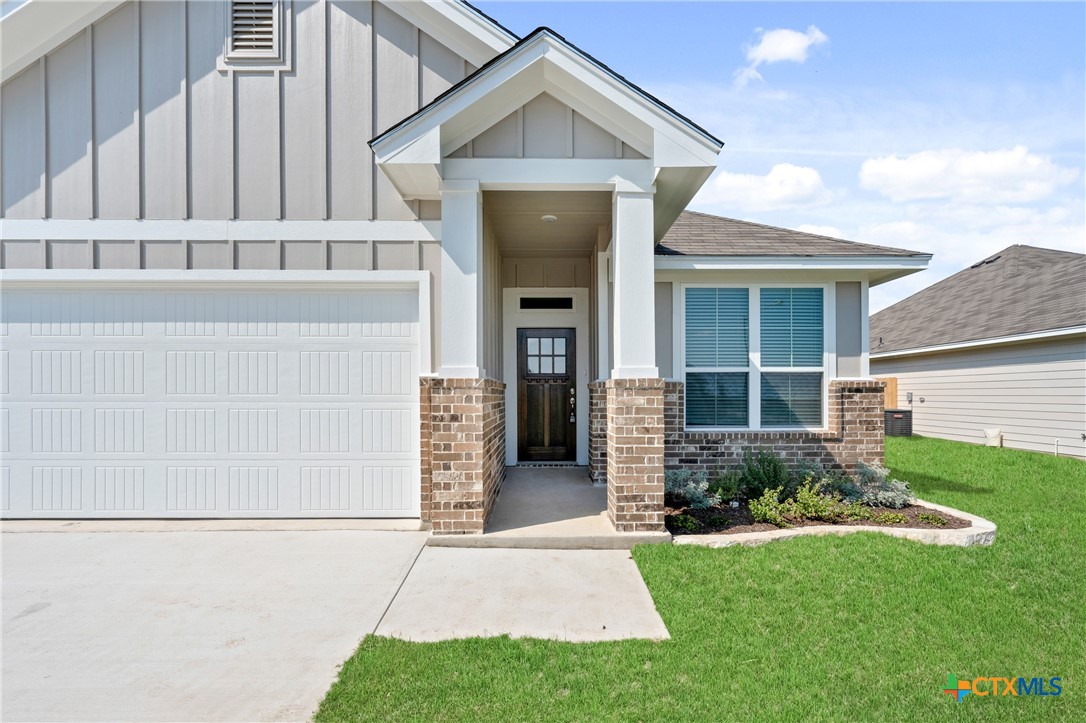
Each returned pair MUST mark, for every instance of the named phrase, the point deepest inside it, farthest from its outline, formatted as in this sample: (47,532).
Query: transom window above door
(546,355)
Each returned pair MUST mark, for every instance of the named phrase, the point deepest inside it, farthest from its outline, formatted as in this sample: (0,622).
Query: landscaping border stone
(980,532)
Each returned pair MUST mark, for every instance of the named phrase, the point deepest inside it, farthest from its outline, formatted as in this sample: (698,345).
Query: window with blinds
(717,357)
(753,358)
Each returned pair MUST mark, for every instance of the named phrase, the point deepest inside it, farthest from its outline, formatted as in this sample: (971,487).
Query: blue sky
(957,129)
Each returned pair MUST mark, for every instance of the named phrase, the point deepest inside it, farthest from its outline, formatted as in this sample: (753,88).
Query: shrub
(839,484)
(878,491)
(769,508)
(691,488)
(891,518)
(761,471)
(682,522)
(811,504)
(931,518)
(725,485)
(856,511)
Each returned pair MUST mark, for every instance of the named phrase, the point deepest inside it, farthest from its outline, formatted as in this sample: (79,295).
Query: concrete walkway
(555,508)
(230,626)
(574,595)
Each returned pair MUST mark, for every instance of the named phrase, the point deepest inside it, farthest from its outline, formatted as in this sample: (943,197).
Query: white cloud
(785,186)
(776,46)
(1004,176)
(821,230)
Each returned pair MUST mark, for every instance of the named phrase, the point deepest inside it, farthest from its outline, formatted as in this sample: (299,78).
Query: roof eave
(975,343)
(879,269)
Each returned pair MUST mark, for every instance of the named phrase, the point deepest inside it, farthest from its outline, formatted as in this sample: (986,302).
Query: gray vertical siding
(132,118)
(849,328)
(1035,393)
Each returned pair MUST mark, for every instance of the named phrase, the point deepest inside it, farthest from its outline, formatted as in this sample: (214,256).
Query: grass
(863,627)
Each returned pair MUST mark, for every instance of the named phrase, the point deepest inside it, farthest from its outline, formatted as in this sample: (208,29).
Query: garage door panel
(210,405)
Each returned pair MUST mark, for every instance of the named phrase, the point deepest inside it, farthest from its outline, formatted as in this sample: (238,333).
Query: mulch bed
(729,521)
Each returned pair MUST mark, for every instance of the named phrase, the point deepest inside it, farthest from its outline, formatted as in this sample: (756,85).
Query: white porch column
(461,280)
(634,276)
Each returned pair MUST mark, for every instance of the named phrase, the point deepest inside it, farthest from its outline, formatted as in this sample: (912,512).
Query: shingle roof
(1020,290)
(700,234)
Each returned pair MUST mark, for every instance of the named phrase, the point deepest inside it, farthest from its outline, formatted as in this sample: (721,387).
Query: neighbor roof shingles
(700,234)
(1020,290)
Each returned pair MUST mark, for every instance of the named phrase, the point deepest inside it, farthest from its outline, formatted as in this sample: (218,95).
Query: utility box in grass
(899,422)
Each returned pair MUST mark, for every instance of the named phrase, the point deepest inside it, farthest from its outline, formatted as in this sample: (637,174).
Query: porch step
(613,541)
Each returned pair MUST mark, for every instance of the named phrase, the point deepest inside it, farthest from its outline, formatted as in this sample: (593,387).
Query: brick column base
(597,432)
(463,452)
(635,454)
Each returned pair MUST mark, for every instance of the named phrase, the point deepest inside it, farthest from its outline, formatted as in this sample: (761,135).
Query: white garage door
(209,404)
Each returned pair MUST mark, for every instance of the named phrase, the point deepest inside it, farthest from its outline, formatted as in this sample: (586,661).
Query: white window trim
(250,61)
(754,368)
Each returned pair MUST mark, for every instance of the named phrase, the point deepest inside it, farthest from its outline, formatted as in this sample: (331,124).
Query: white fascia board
(459,28)
(225,230)
(803,263)
(546,174)
(39,26)
(993,341)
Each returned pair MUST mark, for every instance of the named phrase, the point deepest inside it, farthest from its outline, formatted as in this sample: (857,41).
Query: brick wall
(597,432)
(463,452)
(854,433)
(635,454)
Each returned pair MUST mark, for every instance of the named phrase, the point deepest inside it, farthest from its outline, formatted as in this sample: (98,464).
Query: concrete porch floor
(550,508)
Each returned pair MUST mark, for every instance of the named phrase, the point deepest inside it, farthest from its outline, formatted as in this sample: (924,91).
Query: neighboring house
(998,346)
(351,259)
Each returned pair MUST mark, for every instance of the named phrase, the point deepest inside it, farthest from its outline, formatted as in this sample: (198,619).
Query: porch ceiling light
(549,218)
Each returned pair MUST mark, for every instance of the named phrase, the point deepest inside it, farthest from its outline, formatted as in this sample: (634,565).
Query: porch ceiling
(516,218)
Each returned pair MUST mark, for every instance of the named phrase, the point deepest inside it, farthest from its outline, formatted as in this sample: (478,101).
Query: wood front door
(546,395)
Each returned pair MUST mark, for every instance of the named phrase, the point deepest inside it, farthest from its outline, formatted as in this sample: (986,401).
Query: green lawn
(863,627)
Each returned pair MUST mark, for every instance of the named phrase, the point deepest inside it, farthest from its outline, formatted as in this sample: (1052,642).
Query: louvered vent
(253,27)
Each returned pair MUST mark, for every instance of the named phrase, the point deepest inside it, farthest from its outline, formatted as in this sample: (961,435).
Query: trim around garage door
(289,386)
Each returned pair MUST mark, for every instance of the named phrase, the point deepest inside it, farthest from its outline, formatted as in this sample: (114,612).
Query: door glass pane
(533,345)
(559,365)
(545,366)
(533,364)
(545,345)
(560,345)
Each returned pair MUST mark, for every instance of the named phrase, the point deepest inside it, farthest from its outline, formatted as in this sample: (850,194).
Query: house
(330,258)
(1000,346)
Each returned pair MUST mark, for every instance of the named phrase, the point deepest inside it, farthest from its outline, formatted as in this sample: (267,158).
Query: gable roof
(702,234)
(528,40)
(1020,290)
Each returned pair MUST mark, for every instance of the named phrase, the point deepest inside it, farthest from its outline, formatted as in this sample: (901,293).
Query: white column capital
(629,188)
(460,186)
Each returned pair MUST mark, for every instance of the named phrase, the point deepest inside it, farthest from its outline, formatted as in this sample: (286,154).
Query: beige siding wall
(132,118)
(545,128)
(1035,393)
(665,330)
(524,273)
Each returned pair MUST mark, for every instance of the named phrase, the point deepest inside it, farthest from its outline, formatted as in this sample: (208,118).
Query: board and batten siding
(1035,393)
(133,119)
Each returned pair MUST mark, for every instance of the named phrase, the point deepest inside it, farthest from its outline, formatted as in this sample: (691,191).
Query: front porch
(550,507)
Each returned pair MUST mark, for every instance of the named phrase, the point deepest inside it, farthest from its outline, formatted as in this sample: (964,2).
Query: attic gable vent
(257,35)
(253,27)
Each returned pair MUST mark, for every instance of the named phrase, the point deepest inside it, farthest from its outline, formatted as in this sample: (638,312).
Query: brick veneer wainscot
(597,432)
(853,434)
(462,444)
(635,454)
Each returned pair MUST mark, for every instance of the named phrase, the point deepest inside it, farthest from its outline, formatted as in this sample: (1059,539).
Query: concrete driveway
(188,625)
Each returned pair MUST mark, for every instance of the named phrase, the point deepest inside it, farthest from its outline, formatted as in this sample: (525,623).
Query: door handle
(572,404)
